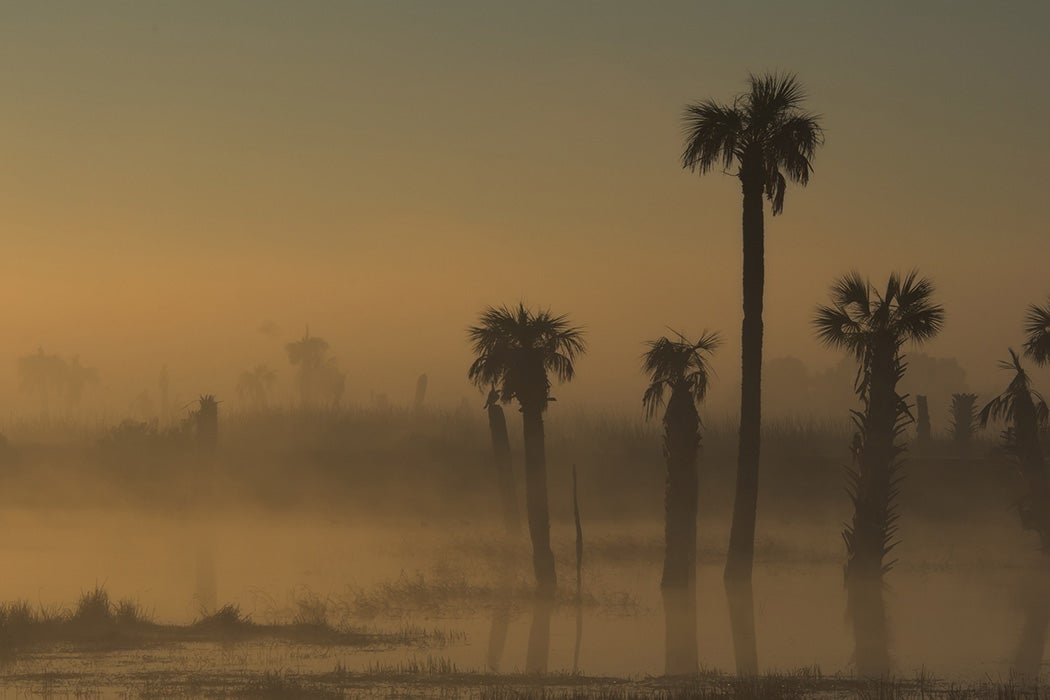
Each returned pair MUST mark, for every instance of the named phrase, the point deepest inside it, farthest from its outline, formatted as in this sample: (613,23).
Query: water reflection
(866,610)
(1031,645)
(538,654)
(741,600)
(680,630)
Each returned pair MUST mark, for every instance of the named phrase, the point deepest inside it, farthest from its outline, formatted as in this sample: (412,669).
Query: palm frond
(1037,334)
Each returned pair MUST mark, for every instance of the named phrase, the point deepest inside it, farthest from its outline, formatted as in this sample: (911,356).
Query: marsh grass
(95,621)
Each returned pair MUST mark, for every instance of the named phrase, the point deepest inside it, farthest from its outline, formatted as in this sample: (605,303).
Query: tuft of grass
(94,609)
(227,618)
(131,612)
(311,611)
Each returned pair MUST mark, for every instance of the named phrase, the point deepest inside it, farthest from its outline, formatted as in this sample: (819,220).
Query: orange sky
(174,174)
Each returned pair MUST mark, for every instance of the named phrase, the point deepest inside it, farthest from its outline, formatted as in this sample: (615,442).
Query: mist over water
(531,350)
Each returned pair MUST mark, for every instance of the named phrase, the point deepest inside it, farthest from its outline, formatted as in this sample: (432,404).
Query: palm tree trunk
(536,502)
(681,444)
(873,500)
(742,535)
(741,554)
(871,516)
(504,474)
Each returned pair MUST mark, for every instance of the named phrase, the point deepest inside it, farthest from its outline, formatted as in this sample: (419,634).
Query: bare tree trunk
(502,461)
(207,434)
(536,502)
(922,426)
(579,574)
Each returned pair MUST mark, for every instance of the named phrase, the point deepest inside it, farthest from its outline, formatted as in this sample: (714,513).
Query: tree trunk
(922,426)
(681,444)
(502,461)
(868,540)
(536,502)
(875,467)
(740,557)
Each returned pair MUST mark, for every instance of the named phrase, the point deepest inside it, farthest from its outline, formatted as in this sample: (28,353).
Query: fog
(282,413)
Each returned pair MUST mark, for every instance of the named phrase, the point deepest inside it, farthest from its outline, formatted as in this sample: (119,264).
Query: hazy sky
(176,173)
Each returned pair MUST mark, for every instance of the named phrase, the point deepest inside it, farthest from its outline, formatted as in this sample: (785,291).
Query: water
(949,617)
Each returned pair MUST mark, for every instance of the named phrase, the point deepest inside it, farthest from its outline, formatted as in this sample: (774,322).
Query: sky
(178,174)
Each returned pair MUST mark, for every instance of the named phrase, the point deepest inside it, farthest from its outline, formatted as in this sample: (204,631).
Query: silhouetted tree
(318,379)
(873,327)
(421,393)
(964,417)
(516,351)
(765,138)
(680,366)
(1024,411)
(253,386)
(502,461)
(206,423)
(1037,334)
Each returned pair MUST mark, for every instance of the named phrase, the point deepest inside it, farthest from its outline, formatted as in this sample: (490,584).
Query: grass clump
(228,618)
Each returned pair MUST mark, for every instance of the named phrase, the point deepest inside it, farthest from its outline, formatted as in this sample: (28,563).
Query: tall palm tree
(680,366)
(516,350)
(1024,411)
(765,139)
(1037,334)
(873,327)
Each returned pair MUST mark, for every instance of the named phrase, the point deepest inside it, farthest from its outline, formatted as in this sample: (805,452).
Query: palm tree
(765,138)
(873,327)
(1037,334)
(964,418)
(516,351)
(319,377)
(681,367)
(1024,411)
